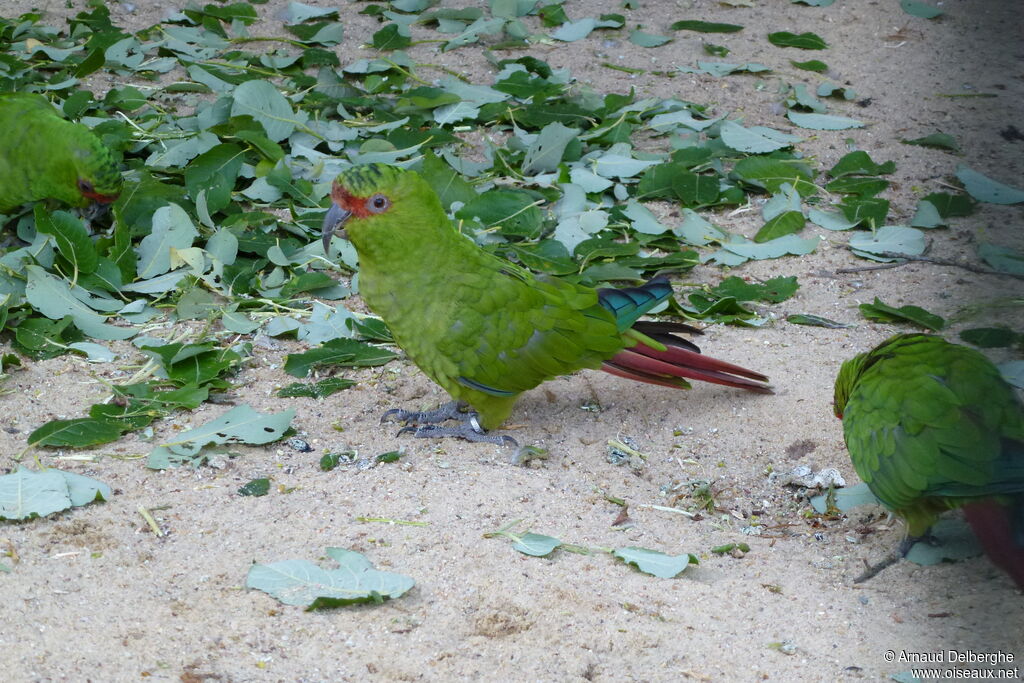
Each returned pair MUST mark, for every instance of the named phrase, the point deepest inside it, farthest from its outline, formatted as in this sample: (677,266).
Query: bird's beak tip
(333,220)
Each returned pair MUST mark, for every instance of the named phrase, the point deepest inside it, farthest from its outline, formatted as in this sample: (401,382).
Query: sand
(95,595)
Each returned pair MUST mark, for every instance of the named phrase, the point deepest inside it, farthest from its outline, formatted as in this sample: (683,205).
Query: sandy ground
(96,596)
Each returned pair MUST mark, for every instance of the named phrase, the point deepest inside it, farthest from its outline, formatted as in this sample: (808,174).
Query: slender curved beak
(333,220)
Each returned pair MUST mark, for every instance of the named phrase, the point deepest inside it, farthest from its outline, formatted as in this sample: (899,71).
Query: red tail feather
(644,364)
(991,523)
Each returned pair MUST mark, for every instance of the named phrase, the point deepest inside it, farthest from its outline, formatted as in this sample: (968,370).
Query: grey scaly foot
(423,425)
(901,551)
(449,411)
(468,430)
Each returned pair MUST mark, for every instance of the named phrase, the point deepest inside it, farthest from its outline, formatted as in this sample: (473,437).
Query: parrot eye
(84,186)
(378,203)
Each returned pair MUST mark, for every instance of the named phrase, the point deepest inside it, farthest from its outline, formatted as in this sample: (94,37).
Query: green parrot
(485,329)
(932,426)
(44,156)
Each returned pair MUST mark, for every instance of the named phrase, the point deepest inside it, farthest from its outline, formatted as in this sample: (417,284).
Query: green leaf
(72,240)
(785,223)
(329,461)
(343,352)
(991,337)
(26,493)
(77,433)
(757,140)
(536,545)
(869,211)
(953,540)
(822,121)
(298,582)
(321,389)
(241,424)
(926,216)
(890,239)
(811,65)
(214,173)
(860,163)
(881,312)
(298,12)
(771,174)
(816,321)
(984,189)
(704,26)
(775,290)
(54,298)
(577,30)
(1003,259)
(391,37)
(920,9)
(830,220)
(804,41)
(845,499)
(513,210)
(654,562)
(255,488)
(547,150)
(262,101)
(935,140)
(1013,372)
(643,39)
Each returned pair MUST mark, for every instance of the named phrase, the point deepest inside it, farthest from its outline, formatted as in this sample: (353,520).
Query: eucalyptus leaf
(655,562)
(302,583)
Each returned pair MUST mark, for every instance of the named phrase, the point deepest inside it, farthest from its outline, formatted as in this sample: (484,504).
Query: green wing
(929,425)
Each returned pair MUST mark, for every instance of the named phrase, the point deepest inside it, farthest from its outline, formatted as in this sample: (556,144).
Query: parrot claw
(423,425)
(901,551)
(466,430)
(449,411)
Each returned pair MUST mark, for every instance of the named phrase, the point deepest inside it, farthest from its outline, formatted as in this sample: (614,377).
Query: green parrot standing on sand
(932,426)
(486,329)
(43,156)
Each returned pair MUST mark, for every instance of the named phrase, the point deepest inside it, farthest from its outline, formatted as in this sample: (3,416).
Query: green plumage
(931,426)
(462,315)
(43,156)
(484,328)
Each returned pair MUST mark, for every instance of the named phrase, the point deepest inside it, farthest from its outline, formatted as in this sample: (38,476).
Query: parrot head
(362,196)
(97,177)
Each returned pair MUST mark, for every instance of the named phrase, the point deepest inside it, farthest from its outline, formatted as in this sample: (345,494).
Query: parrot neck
(398,265)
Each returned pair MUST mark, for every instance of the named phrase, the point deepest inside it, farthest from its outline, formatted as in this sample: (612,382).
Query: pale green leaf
(822,121)
(299,582)
(654,562)
(984,189)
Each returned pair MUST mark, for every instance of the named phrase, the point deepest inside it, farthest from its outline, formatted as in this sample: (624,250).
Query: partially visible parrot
(44,156)
(486,329)
(932,426)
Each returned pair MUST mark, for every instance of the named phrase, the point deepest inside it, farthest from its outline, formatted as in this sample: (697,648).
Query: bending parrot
(44,156)
(932,426)
(486,329)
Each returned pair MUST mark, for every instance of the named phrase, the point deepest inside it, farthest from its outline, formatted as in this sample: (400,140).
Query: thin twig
(863,269)
(930,259)
(150,521)
(950,262)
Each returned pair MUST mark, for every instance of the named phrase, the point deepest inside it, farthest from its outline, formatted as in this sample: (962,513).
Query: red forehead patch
(346,200)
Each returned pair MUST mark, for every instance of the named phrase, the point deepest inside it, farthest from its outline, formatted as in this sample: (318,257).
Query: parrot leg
(901,551)
(449,411)
(423,425)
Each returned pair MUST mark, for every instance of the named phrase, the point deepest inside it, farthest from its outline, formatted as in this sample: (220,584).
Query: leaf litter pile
(229,142)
